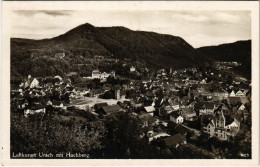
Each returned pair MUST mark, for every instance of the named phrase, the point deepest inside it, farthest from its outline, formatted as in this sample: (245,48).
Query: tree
(95,84)
(108,95)
(51,135)
(122,139)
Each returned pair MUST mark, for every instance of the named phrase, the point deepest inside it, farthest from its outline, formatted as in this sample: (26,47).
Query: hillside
(117,42)
(239,51)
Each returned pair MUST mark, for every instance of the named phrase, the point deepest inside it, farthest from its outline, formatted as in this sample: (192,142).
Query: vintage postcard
(130,83)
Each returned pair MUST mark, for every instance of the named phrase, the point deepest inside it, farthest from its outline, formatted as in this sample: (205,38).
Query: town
(176,108)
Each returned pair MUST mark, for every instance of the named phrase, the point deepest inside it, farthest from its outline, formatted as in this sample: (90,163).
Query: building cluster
(194,101)
(96,74)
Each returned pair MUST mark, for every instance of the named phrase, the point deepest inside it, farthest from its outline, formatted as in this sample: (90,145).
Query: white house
(233,128)
(242,107)
(34,111)
(203,81)
(206,108)
(188,114)
(149,109)
(240,93)
(95,74)
(132,69)
(210,128)
(176,118)
(234,125)
(104,75)
(30,82)
(232,93)
(34,83)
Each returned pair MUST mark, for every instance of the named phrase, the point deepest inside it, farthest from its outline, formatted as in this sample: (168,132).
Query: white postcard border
(7,6)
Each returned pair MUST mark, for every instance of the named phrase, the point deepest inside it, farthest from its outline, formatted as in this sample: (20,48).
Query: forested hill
(117,42)
(239,51)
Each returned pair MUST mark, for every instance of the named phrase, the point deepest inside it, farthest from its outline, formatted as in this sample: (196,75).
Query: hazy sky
(199,28)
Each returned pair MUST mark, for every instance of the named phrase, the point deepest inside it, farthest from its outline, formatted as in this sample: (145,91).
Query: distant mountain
(156,49)
(239,51)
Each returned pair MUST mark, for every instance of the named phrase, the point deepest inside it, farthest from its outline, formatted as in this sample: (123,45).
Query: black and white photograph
(130,84)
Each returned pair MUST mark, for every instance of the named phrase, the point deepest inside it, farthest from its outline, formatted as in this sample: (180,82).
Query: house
(30,82)
(176,118)
(95,74)
(206,108)
(150,110)
(146,80)
(181,130)
(216,127)
(113,74)
(232,94)
(117,94)
(72,74)
(195,94)
(240,93)
(147,119)
(22,103)
(220,93)
(148,102)
(127,103)
(192,104)
(242,107)
(194,70)
(216,99)
(34,109)
(221,133)
(203,81)
(208,125)
(60,55)
(104,75)
(57,104)
(235,100)
(49,103)
(58,77)
(81,106)
(188,114)
(175,141)
(233,127)
(168,109)
(132,69)
(225,109)
(106,110)
(34,83)
(98,106)
(185,100)
(175,105)
(222,126)
(245,115)
(96,92)
(98,57)
(204,90)
(156,135)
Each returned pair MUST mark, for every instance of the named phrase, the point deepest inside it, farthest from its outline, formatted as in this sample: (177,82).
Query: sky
(198,28)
